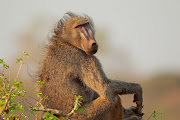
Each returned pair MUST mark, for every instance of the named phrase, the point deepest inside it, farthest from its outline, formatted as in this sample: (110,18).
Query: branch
(58,112)
(55,111)
(7,100)
(77,103)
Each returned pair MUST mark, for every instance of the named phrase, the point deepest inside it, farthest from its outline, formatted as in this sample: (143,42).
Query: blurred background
(139,42)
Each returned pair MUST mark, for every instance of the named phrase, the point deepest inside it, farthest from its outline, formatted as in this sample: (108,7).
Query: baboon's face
(88,42)
(82,36)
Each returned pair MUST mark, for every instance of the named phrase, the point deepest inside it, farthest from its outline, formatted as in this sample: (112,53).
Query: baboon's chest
(83,90)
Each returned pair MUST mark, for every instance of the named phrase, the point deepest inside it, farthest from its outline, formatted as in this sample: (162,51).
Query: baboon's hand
(138,100)
(131,113)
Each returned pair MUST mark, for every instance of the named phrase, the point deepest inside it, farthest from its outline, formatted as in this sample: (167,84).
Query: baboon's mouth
(92,51)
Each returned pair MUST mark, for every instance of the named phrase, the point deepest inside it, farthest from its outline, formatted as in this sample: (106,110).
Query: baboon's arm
(121,87)
(95,78)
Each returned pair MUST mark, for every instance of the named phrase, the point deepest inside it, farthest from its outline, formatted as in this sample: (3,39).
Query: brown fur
(68,71)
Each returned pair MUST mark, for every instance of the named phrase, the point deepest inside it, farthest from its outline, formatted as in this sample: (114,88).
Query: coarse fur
(69,70)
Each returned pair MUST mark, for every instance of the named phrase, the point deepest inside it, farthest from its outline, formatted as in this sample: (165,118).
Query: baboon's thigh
(102,109)
(116,111)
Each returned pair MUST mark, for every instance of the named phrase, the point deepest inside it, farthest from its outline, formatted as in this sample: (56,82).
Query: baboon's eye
(86,24)
(79,26)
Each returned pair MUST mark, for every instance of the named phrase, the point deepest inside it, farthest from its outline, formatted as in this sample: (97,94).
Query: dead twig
(58,112)
(55,111)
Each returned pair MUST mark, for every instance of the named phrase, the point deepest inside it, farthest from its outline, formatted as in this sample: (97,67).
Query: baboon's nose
(94,45)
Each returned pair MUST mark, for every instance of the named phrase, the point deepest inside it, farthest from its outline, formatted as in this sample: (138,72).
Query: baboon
(70,68)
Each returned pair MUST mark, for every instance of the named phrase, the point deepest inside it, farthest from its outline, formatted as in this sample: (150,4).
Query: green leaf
(3,97)
(50,116)
(39,94)
(37,103)
(41,83)
(154,114)
(2,102)
(18,60)
(17,84)
(6,66)
(26,117)
(25,53)
(32,112)
(7,81)
(80,97)
(20,107)
(46,106)
(1,61)
(23,93)
(47,98)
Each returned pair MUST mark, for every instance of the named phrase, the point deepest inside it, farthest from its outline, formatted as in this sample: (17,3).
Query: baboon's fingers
(139,108)
(136,98)
(138,101)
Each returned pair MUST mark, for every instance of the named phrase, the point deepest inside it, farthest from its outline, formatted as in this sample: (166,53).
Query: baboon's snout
(92,47)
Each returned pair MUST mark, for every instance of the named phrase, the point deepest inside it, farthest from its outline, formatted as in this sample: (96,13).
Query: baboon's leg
(102,109)
(130,114)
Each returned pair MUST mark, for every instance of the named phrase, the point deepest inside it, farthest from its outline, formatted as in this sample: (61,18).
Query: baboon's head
(79,31)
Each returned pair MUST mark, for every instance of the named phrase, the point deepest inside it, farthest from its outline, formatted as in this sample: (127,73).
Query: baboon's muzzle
(89,44)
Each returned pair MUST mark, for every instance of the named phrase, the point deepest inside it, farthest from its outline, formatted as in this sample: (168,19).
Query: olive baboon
(69,68)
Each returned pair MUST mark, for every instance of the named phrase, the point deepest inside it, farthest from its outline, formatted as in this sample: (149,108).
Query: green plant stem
(150,116)
(75,106)
(19,70)
(3,77)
